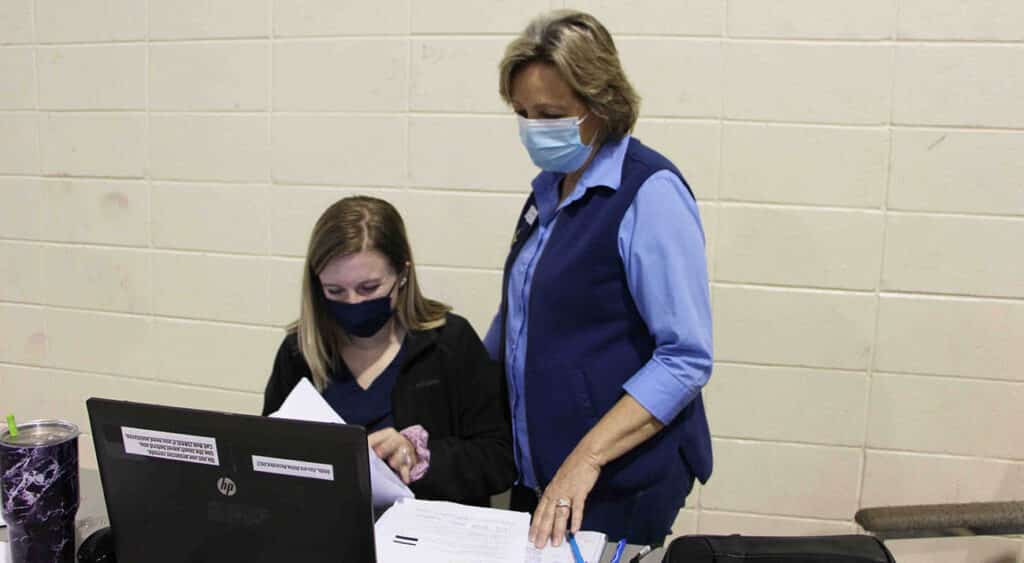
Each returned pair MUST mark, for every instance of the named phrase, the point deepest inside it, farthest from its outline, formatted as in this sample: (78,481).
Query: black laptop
(193,486)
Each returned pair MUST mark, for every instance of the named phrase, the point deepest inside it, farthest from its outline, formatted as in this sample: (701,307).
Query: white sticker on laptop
(169,445)
(293,468)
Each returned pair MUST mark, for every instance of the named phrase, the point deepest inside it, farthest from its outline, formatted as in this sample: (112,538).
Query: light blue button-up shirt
(661,244)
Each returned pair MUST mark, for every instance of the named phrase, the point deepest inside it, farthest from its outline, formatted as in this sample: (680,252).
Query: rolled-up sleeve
(661,243)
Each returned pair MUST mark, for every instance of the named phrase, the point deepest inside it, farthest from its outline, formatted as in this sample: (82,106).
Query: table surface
(92,516)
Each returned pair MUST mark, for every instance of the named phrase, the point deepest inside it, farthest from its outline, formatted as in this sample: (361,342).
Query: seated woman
(414,374)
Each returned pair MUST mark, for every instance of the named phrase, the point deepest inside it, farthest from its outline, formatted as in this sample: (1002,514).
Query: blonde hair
(352,225)
(583,52)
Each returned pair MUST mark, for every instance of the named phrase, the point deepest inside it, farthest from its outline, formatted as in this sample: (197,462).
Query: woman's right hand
(396,450)
(561,507)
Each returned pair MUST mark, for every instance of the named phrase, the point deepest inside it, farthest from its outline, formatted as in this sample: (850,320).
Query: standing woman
(604,328)
(387,358)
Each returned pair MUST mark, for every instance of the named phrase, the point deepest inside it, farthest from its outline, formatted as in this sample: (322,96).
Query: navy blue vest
(586,338)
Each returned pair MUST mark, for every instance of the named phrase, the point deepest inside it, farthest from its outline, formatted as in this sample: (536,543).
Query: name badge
(531,215)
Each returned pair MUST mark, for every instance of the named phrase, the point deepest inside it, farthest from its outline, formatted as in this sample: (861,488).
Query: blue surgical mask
(554,144)
(363,319)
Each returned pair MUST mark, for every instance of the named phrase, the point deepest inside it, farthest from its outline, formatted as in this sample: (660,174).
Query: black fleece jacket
(448,384)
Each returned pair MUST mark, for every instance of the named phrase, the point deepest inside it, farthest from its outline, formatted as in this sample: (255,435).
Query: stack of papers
(445,532)
(305,403)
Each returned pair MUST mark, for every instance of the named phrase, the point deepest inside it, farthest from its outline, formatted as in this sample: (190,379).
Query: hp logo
(226,487)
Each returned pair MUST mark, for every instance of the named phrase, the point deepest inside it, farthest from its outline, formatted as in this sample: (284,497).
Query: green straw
(11,426)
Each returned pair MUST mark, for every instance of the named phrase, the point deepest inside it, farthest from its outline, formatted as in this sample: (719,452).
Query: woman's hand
(396,450)
(621,429)
(564,498)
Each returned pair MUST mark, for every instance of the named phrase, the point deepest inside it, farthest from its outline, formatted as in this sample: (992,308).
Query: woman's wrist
(590,452)
(624,427)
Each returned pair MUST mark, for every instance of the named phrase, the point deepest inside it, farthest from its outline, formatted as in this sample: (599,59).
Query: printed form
(446,532)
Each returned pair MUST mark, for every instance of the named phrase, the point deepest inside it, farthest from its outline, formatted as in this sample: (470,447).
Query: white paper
(170,445)
(2,523)
(591,546)
(306,403)
(3,552)
(445,532)
(293,467)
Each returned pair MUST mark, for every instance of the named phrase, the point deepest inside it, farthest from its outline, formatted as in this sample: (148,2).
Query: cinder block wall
(859,167)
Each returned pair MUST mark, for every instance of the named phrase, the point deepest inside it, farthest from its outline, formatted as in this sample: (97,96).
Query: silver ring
(563,503)
(408,460)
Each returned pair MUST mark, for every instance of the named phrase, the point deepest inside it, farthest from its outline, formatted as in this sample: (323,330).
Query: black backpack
(809,549)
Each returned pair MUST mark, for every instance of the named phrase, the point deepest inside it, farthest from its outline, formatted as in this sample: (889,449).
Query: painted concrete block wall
(858,166)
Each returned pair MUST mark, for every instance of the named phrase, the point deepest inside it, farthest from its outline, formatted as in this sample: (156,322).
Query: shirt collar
(605,170)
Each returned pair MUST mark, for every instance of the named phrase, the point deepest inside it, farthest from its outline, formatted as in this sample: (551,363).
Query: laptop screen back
(185,486)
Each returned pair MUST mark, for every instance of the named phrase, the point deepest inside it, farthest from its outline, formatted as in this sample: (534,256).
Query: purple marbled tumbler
(39,491)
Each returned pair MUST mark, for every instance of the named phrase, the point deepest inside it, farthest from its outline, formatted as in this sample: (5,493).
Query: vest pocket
(581,392)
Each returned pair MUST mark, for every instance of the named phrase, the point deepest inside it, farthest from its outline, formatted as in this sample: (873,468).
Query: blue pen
(619,548)
(576,555)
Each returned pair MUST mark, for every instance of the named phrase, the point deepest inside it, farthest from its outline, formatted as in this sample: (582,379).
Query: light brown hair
(583,52)
(352,225)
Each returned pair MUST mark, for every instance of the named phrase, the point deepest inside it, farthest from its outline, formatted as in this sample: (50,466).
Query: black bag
(809,549)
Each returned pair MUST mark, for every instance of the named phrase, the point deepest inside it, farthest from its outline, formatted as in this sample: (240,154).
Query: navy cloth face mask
(363,319)
(554,145)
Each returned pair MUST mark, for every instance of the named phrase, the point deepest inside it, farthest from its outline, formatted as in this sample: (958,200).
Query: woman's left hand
(396,450)
(561,506)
